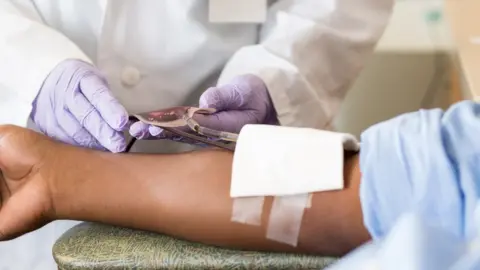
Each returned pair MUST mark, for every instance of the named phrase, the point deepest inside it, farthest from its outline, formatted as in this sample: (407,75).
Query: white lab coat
(164,53)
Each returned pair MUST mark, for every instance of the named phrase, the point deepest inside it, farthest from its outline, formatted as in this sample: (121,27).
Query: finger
(156,132)
(99,95)
(139,130)
(77,132)
(223,98)
(229,121)
(94,123)
(144,131)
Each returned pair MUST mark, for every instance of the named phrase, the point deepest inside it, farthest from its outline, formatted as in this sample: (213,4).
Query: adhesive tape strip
(286,218)
(248,210)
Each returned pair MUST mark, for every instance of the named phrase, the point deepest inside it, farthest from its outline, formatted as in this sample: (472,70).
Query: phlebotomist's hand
(245,100)
(76,106)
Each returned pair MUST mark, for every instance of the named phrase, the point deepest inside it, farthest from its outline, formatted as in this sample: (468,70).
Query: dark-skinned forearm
(187,195)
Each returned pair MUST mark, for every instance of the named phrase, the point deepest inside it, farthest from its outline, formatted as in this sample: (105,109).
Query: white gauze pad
(276,161)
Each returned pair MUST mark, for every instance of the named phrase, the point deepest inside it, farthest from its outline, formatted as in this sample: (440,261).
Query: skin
(183,195)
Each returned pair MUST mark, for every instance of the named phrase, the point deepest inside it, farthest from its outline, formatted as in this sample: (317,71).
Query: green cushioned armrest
(96,246)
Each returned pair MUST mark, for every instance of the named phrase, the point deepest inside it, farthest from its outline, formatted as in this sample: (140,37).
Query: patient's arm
(187,195)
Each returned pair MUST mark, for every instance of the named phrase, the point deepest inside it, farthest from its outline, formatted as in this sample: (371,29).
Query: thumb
(236,95)
(227,97)
(20,213)
(229,121)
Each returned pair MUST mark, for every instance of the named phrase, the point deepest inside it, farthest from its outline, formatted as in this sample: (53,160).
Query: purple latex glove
(76,106)
(245,100)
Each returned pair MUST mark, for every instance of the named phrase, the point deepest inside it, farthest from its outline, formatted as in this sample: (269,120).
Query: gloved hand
(245,100)
(76,106)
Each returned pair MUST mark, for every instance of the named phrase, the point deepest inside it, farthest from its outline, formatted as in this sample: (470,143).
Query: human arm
(308,54)
(184,195)
(29,50)
(424,161)
(413,243)
(420,191)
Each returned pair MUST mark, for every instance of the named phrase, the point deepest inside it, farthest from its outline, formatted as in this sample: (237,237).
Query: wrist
(67,169)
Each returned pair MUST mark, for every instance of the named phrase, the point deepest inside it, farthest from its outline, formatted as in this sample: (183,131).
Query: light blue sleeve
(425,162)
(412,244)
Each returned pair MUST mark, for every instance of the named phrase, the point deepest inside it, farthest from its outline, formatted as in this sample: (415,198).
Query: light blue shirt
(413,244)
(419,192)
(426,161)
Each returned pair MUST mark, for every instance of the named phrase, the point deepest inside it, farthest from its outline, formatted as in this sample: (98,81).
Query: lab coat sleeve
(29,50)
(309,54)
(426,161)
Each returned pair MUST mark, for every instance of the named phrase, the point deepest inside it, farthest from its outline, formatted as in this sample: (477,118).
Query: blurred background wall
(409,70)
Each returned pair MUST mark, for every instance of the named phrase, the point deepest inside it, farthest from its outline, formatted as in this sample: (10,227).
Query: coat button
(130,76)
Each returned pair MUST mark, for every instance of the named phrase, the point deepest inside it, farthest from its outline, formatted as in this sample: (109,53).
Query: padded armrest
(95,246)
